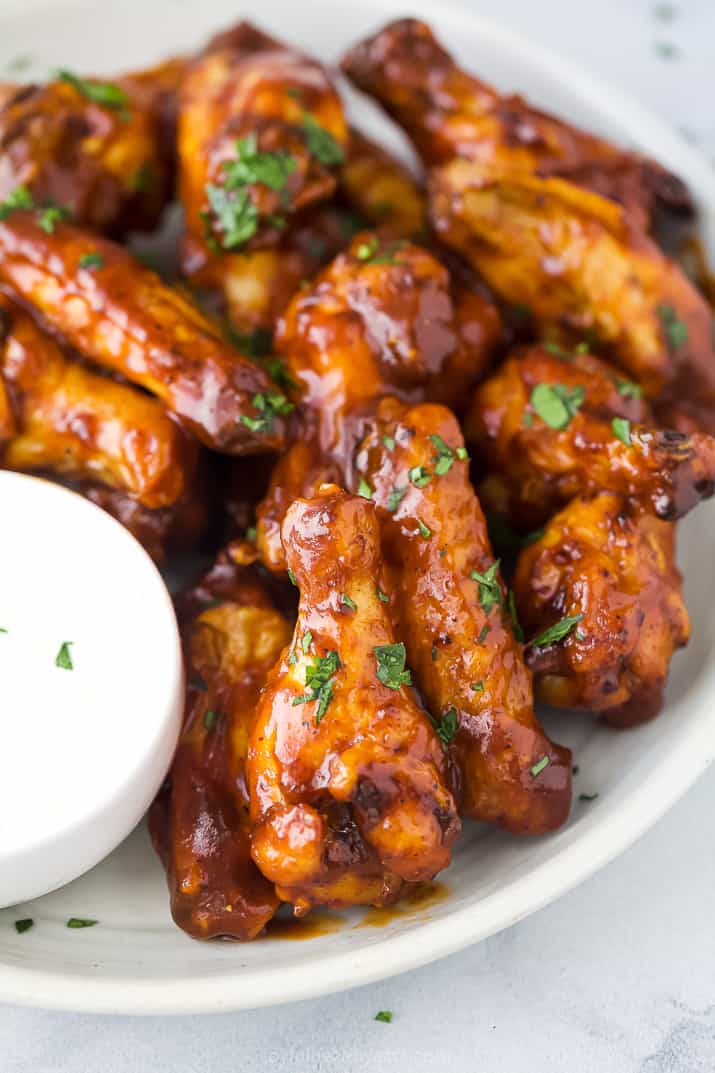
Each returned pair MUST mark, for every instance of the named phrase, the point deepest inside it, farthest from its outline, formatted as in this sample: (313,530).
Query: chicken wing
(200,821)
(261,130)
(449,113)
(75,423)
(600,597)
(119,314)
(94,148)
(583,270)
(379,320)
(160,531)
(551,424)
(347,778)
(451,608)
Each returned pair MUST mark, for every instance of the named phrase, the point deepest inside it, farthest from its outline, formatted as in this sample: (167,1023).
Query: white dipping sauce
(82,751)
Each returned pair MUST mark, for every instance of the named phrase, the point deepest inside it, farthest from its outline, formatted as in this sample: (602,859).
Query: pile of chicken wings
(431,433)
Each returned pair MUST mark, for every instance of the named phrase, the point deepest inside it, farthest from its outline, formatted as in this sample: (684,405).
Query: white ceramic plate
(135,960)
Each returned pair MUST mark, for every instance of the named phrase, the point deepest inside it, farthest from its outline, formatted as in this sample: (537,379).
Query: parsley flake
(622,429)
(445,456)
(676,330)
(252,165)
(24,925)
(483,634)
(382,597)
(63,659)
(557,632)
(425,531)
(556,404)
(81,922)
(210,718)
(490,593)
(391,660)
(367,249)
(321,144)
(419,476)
(447,727)
(364,489)
(395,498)
(307,640)
(91,260)
(628,389)
(477,687)
(385,1016)
(269,406)
(389,442)
(511,607)
(49,215)
(587,797)
(235,215)
(105,94)
(319,678)
(291,578)
(19,198)
(539,766)
(349,602)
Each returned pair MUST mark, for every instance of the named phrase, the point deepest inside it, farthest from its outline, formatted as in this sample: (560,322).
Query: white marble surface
(618,976)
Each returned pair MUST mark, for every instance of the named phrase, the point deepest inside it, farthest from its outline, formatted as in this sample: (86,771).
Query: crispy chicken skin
(458,634)
(535,466)
(249,86)
(122,316)
(346,775)
(379,320)
(200,821)
(73,422)
(102,162)
(381,190)
(449,113)
(582,269)
(617,570)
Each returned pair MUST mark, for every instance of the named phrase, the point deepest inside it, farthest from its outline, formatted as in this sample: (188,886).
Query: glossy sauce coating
(348,791)
(616,569)
(200,822)
(449,113)
(75,423)
(582,268)
(122,316)
(459,638)
(536,468)
(248,84)
(103,163)
(381,190)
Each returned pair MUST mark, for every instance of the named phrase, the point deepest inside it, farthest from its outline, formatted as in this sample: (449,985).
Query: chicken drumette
(348,780)
(599,596)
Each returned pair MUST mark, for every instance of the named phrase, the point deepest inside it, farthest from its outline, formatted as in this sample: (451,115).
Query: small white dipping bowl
(83,749)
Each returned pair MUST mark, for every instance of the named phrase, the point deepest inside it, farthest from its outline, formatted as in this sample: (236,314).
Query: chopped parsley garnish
(490,593)
(321,144)
(251,534)
(349,602)
(364,489)
(63,658)
(319,678)
(395,498)
(268,406)
(483,634)
(558,351)
(197,682)
(557,632)
(254,344)
(91,260)
(106,94)
(425,531)
(622,429)
(477,687)
(292,658)
(447,727)
(291,578)
(252,165)
(391,660)
(49,215)
(382,597)
(24,925)
(210,718)
(19,198)
(539,766)
(511,607)
(366,249)
(445,455)
(143,179)
(628,389)
(419,476)
(306,640)
(81,922)
(3,630)
(462,454)
(385,1016)
(676,330)
(235,214)
(587,797)
(389,442)
(556,404)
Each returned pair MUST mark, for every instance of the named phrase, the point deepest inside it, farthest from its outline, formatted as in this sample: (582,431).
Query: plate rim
(601,840)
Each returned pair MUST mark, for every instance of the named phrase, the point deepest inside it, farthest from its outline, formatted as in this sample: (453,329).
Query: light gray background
(617,977)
